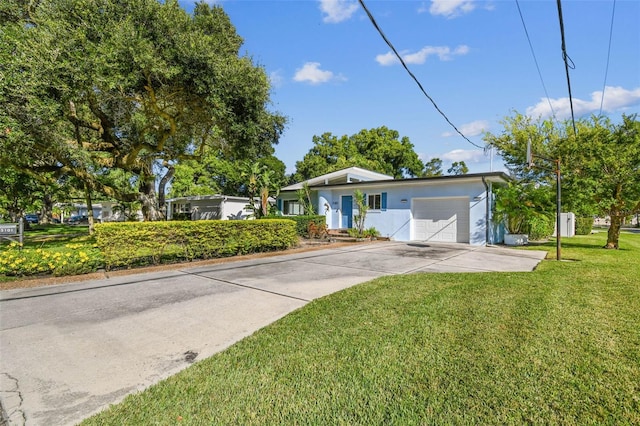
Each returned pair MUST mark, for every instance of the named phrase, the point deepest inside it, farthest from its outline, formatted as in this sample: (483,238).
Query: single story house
(442,208)
(103,211)
(206,207)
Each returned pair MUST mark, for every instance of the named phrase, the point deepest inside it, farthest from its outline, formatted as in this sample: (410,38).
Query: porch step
(338,232)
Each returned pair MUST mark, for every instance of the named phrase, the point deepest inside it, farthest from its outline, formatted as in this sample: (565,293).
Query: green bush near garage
(152,243)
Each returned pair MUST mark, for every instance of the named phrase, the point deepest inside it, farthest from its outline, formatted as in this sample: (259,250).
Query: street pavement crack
(11,401)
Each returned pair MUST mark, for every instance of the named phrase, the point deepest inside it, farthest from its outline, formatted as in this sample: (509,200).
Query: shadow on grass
(572,244)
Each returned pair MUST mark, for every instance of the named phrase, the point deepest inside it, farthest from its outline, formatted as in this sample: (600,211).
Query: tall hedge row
(126,244)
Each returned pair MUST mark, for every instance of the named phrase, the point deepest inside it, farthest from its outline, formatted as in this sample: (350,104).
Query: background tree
(378,149)
(601,169)
(215,174)
(19,194)
(91,86)
(458,168)
(432,168)
(600,165)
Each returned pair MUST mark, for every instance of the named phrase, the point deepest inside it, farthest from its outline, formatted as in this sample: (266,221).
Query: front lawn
(558,345)
(50,250)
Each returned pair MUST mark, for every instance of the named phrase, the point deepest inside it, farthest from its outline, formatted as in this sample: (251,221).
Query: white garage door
(441,219)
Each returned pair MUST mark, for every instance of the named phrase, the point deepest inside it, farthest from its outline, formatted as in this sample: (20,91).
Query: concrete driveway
(70,350)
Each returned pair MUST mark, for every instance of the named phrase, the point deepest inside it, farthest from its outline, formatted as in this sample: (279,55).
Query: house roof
(489,176)
(207,197)
(344,176)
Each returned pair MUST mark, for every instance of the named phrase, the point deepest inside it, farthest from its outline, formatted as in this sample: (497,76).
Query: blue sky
(332,72)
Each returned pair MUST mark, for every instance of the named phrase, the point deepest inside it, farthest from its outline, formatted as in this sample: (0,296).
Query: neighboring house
(203,207)
(443,208)
(104,211)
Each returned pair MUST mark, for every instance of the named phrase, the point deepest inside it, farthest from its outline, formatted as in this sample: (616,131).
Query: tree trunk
(162,187)
(89,200)
(148,198)
(47,209)
(614,232)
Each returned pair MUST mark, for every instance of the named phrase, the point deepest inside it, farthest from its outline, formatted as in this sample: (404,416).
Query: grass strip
(558,345)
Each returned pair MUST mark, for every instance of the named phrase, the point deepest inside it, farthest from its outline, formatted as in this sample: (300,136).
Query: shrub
(303,222)
(128,244)
(540,227)
(367,233)
(584,225)
(68,260)
(371,232)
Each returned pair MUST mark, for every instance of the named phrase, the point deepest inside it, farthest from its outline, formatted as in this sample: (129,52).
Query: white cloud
(337,10)
(615,99)
(451,8)
(444,53)
(311,73)
(474,128)
(387,59)
(276,79)
(466,155)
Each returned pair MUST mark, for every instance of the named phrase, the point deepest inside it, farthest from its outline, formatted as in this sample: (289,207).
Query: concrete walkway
(70,350)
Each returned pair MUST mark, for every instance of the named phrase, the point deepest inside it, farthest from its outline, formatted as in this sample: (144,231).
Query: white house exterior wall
(396,221)
(235,209)
(209,207)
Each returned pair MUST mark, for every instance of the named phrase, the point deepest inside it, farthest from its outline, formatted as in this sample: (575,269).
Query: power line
(606,71)
(566,60)
(375,24)
(535,59)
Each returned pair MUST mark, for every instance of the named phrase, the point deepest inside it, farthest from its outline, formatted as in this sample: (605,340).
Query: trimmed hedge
(302,223)
(125,244)
(584,225)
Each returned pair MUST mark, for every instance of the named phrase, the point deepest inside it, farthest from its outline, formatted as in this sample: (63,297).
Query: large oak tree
(93,86)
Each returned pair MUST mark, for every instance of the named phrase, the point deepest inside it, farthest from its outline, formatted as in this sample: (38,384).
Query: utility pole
(530,156)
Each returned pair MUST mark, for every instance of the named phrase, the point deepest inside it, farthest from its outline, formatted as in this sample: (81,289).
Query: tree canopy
(432,168)
(216,174)
(91,87)
(458,168)
(600,164)
(379,149)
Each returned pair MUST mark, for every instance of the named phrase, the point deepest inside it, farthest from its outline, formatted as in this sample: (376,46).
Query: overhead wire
(533,53)
(566,59)
(393,49)
(606,71)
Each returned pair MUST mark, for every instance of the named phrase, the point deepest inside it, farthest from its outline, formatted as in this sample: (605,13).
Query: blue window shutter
(384,201)
(279,204)
(366,200)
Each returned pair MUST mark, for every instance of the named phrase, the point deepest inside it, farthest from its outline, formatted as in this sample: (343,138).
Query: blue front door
(347,212)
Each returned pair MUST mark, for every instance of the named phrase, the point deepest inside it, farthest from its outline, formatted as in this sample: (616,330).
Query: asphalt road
(70,350)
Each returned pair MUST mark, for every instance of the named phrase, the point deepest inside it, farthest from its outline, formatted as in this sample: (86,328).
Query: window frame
(377,196)
(294,206)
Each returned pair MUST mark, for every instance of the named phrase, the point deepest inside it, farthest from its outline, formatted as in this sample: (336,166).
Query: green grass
(560,345)
(50,250)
